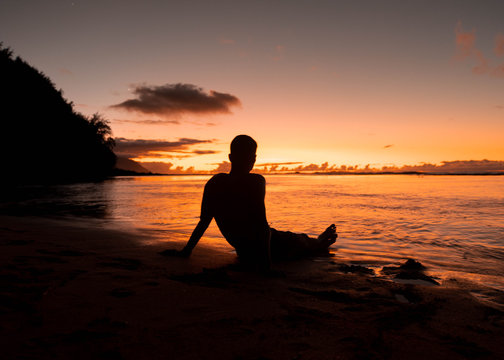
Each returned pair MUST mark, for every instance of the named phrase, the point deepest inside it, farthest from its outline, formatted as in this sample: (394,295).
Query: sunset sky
(344,82)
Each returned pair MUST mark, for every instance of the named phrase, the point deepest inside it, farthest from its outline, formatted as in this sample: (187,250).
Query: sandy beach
(72,292)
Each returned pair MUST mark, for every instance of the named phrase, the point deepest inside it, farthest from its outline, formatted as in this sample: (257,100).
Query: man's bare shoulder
(224,179)
(259,178)
(218,178)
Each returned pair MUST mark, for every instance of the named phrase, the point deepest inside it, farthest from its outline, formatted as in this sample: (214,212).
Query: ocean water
(452,224)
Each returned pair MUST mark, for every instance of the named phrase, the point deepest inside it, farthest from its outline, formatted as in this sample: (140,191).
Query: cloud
(151,148)
(204,152)
(65,71)
(279,163)
(169,168)
(445,167)
(148,122)
(279,52)
(274,167)
(159,167)
(498,71)
(464,41)
(227,41)
(222,167)
(154,154)
(178,99)
(482,66)
(314,167)
(455,167)
(163,122)
(499,45)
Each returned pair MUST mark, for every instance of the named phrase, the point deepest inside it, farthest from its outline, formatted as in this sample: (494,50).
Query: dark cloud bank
(178,99)
(141,148)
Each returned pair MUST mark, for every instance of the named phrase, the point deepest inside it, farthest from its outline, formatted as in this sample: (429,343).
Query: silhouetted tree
(43,138)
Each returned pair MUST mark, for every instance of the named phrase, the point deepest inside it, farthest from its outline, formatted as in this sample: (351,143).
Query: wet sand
(68,291)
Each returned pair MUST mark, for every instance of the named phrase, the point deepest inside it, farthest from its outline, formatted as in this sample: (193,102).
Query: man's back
(236,201)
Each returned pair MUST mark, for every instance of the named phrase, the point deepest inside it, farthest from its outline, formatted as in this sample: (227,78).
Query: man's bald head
(243,153)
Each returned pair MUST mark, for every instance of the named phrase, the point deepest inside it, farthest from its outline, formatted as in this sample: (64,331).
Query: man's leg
(289,245)
(254,251)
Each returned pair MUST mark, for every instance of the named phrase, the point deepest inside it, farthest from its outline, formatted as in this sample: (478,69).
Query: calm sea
(452,224)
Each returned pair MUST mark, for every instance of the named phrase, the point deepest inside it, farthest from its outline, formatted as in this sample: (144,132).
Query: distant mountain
(43,138)
(159,167)
(130,165)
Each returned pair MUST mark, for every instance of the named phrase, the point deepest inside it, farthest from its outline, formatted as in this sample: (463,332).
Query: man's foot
(328,237)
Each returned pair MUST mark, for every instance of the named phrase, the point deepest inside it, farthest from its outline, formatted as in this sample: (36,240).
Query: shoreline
(71,291)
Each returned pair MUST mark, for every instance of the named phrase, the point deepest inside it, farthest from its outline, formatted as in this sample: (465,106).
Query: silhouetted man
(236,201)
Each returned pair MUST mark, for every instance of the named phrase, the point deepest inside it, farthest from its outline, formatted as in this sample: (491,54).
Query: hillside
(44,140)
(130,165)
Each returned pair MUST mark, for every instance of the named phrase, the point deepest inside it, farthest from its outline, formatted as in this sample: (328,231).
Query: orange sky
(371,83)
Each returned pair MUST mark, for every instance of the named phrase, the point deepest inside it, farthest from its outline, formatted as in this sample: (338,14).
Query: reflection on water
(91,200)
(453,224)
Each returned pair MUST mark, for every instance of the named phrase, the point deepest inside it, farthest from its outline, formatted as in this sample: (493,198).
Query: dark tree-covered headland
(43,139)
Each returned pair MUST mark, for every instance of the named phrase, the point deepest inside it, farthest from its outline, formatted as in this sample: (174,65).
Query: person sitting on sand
(236,201)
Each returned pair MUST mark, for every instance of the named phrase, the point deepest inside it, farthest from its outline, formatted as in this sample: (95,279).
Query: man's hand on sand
(176,253)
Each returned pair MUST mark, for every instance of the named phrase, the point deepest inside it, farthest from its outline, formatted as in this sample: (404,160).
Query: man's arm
(206,217)
(196,235)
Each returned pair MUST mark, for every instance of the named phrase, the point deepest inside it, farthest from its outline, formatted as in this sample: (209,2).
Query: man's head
(243,153)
